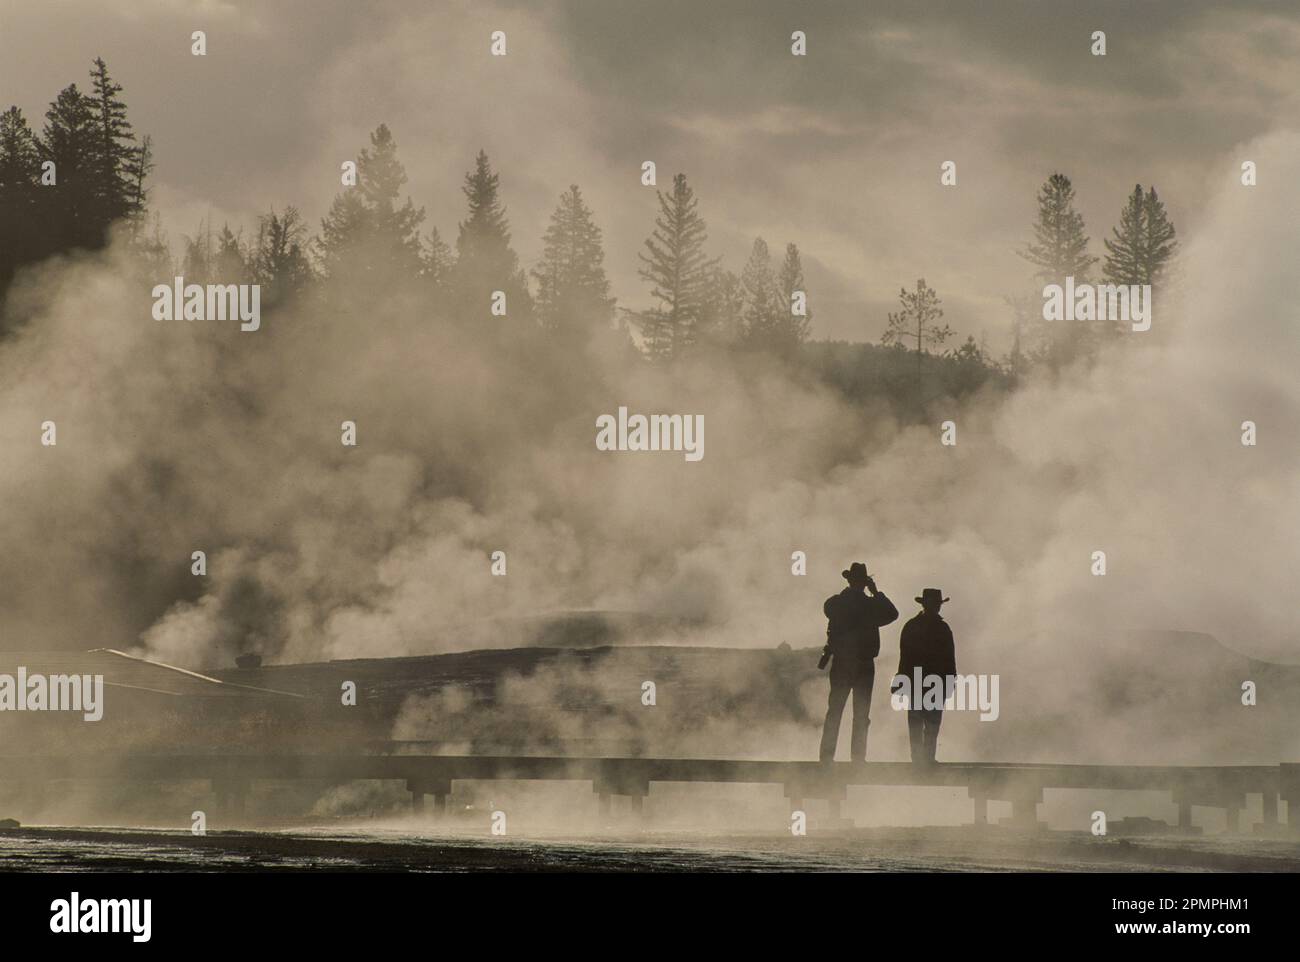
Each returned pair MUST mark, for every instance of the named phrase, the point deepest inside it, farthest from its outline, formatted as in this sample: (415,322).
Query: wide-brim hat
(932,594)
(855,570)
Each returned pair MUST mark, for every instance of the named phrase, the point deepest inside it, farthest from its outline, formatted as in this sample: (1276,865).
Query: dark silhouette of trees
(279,259)
(114,157)
(138,173)
(199,260)
(867,373)
(371,242)
(66,188)
(231,262)
(68,141)
(970,366)
(22,230)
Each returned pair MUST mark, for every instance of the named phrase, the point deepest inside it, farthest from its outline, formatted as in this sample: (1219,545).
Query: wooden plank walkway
(1022,784)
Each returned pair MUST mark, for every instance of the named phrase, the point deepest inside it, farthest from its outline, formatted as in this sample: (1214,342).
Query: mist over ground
(177,436)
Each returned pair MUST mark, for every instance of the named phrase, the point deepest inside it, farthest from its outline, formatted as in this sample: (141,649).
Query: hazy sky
(838,151)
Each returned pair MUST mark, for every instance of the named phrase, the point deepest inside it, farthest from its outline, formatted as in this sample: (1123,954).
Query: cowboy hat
(931,594)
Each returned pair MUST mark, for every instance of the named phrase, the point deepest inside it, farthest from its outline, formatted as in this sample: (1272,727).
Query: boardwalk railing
(1022,785)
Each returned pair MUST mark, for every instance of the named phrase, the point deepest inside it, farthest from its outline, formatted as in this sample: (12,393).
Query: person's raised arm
(886,613)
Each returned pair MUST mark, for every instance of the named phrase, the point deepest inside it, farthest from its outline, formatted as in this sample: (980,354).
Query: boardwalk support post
(1232,810)
(1270,811)
(1024,807)
(794,796)
(617,782)
(440,789)
(1289,789)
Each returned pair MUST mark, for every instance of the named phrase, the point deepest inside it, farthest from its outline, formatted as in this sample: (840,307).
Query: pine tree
(485,261)
(199,261)
(152,252)
(368,234)
(438,262)
(380,178)
(69,141)
(1161,245)
(97,176)
(721,316)
(141,167)
(279,260)
(573,293)
(22,228)
(759,290)
(20,162)
(918,321)
(970,367)
(1060,251)
(113,157)
(1023,325)
(793,328)
(1061,246)
(229,258)
(344,230)
(678,273)
(1144,241)
(1124,254)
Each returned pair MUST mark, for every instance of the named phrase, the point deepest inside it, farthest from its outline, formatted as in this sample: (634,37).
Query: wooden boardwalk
(1022,785)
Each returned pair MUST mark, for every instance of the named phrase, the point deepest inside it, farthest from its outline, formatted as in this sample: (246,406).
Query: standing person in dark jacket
(854,619)
(926,643)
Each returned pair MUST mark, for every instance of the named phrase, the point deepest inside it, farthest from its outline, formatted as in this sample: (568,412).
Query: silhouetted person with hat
(854,618)
(926,643)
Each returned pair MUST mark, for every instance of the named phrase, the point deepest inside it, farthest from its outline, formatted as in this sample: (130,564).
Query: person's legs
(863,683)
(916,734)
(840,684)
(934,719)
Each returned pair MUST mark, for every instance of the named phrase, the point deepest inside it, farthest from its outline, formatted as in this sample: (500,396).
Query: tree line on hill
(84,176)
